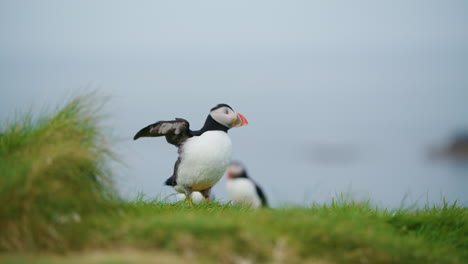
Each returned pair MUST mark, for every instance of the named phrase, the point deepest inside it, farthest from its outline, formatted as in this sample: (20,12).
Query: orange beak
(241,120)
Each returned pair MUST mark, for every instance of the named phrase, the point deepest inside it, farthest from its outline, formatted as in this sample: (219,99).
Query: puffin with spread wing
(203,154)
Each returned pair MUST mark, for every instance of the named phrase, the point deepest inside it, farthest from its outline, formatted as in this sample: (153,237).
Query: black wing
(261,195)
(172,181)
(175,131)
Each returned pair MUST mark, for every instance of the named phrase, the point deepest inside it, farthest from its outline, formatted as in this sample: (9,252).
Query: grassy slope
(57,198)
(341,232)
(337,233)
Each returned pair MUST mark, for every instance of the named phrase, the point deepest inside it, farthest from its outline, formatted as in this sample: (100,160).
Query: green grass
(53,170)
(59,206)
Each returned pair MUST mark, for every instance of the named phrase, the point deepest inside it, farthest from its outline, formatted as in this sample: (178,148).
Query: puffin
(203,154)
(242,189)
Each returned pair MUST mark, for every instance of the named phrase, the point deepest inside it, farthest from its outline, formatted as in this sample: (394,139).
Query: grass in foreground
(53,170)
(58,206)
(336,233)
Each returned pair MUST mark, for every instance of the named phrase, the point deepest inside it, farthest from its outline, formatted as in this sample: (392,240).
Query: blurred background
(365,98)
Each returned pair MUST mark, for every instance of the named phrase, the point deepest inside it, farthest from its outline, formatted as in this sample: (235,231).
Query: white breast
(242,191)
(204,160)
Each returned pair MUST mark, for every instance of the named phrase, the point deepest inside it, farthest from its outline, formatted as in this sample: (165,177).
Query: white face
(225,116)
(234,169)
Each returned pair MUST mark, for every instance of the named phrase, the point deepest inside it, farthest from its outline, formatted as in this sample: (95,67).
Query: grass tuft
(54,174)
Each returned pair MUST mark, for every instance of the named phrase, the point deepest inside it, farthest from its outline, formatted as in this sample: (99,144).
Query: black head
(219,106)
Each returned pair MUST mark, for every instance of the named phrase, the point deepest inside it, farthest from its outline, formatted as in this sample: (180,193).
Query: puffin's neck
(211,125)
(243,175)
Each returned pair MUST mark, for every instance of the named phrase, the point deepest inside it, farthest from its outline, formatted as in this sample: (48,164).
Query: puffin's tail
(171,181)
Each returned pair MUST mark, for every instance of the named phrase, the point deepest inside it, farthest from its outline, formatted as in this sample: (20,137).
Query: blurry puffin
(203,154)
(242,189)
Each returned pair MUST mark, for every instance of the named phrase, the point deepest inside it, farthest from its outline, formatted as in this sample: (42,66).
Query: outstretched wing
(175,131)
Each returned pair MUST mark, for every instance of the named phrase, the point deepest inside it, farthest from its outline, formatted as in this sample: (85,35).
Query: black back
(261,195)
(257,188)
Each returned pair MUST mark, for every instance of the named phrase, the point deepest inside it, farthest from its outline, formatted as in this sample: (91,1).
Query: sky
(341,96)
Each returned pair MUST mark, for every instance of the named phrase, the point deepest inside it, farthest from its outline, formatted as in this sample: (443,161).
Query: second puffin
(203,154)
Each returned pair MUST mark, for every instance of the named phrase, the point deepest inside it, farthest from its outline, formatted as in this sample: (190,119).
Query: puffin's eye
(226,112)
